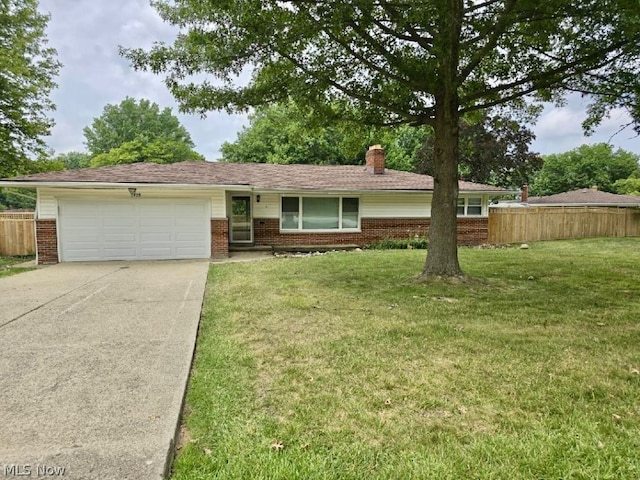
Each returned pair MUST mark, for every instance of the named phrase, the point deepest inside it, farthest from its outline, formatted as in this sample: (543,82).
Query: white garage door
(133,229)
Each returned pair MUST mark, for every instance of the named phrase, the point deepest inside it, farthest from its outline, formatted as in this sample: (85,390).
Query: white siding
(218,204)
(395,205)
(47,206)
(268,207)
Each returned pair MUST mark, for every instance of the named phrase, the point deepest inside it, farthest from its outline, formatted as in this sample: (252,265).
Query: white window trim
(326,230)
(466,206)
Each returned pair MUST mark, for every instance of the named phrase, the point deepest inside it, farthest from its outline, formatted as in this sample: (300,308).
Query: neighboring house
(204,209)
(585,197)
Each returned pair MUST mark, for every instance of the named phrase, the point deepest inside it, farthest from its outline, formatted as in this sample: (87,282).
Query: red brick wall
(471,231)
(219,238)
(46,242)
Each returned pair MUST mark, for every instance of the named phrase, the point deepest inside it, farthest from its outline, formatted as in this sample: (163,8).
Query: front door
(241,220)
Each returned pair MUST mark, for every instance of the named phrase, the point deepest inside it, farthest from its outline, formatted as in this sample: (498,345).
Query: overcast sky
(87,34)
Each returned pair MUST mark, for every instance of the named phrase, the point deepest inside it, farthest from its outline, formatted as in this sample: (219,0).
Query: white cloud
(559,129)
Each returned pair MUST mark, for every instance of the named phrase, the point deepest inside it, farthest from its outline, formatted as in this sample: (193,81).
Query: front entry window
(241,220)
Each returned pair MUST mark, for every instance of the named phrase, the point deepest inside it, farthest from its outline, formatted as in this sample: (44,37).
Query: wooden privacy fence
(530,224)
(17,234)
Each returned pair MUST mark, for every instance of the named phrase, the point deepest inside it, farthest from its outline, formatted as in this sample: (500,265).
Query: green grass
(7,268)
(358,371)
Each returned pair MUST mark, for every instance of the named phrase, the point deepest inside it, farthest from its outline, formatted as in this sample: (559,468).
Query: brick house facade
(202,209)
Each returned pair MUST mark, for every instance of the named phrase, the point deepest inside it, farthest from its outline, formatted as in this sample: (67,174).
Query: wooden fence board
(530,224)
(17,234)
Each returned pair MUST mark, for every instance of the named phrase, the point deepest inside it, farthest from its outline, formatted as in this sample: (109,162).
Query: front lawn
(342,366)
(7,265)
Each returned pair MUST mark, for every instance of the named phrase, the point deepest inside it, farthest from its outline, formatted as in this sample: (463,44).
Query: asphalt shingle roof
(260,175)
(586,196)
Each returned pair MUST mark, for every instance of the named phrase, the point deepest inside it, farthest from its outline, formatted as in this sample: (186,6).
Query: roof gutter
(84,185)
(236,187)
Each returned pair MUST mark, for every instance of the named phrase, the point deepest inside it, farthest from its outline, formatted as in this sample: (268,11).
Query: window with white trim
(469,206)
(320,213)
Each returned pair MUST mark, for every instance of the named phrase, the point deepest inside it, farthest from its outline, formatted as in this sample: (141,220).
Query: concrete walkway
(94,361)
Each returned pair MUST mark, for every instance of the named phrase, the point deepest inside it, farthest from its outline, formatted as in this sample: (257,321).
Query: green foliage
(584,167)
(285,133)
(493,150)
(25,199)
(131,120)
(627,186)
(381,63)
(154,151)
(28,70)
(17,199)
(74,160)
(401,244)
(138,132)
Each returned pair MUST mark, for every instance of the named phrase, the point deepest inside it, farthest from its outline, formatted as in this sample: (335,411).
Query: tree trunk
(442,257)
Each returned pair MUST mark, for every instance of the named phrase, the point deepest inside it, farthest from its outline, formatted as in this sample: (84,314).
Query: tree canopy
(427,62)
(154,151)
(74,160)
(27,77)
(629,186)
(583,167)
(493,150)
(283,133)
(138,132)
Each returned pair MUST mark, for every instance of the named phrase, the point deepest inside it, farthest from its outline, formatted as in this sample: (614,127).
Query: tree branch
(538,80)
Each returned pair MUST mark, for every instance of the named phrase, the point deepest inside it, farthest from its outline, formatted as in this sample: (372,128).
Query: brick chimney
(375,159)
(524,193)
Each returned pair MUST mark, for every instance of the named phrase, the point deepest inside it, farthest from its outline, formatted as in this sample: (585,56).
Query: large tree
(27,72)
(583,167)
(284,133)
(132,120)
(493,149)
(74,160)
(142,150)
(426,62)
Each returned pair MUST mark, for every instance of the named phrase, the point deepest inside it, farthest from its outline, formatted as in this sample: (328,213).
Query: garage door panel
(188,222)
(119,237)
(156,222)
(116,222)
(155,237)
(86,223)
(156,252)
(189,237)
(116,253)
(143,229)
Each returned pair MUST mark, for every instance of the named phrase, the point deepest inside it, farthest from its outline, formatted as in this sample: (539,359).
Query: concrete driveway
(94,360)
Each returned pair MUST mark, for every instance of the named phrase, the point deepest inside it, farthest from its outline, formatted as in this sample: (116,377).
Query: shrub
(400,243)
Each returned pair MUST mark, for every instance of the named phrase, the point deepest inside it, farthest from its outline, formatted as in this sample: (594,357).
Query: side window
(474,206)
(350,208)
(467,206)
(290,213)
